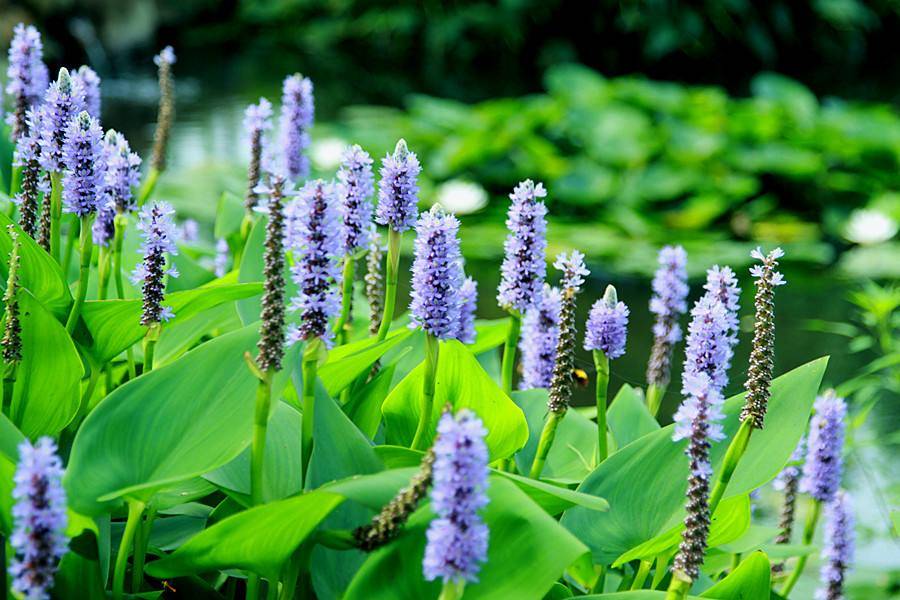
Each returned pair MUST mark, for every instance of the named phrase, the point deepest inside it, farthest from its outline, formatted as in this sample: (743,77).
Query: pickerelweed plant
(255,429)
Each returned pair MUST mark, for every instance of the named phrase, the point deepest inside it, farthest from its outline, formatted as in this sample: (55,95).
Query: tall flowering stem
(313,235)
(788,482)
(839,548)
(355,187)
(560,392)
(271,333)
(524,266)
(823,468)
(38,538)
(164,119)
(11,343)
(437,276)
(83,186)
(398,196)
(605,335)
(26,76)
(296,119)
(762,360)
(668,303)
(457,540)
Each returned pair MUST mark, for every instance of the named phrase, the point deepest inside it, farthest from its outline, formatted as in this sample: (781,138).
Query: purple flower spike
(89,81)
(39,515)
(221,261)
(668,303)
(524,263)
(313,234)
(436,275)
(123,172)
(458,538)
(63,101)
(159,235)
(297,114)
(824,464)
(85,166)
(839,548)
(26,75)
(606,327)
(258,117)
(356,186)
(398,191)
(540,335)
(468,295)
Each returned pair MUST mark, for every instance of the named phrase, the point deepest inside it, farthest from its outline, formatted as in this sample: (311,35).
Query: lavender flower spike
(313,234)
(436,275)
(63,101)
(85,173)
(297,114)
(398,191)
(257,120)
(468,296)
(540,335)
(839,548)
(458,538)
(824,465)
(90,85)
(39,514)
(668,303)
(356,186)
(159,234)
(606,327)
(122,176)
(26,76)
(524,263)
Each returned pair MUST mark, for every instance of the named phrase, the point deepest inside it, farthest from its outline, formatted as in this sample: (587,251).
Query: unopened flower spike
(159,234)
(762,353)
(574,272)
(788,482)
(375,281)
(63,101)
(11,342)
(257,120)
(166,112)
(468,297)
(837,554)
(297,114)
(540,335)
(38,538)
(26,76)
(457,540)
(27,157)
(90,86)
(271,338)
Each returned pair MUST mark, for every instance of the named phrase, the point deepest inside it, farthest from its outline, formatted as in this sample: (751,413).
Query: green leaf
(462,383)
(48,380)
(167,426)
(635,595)
(645,481)
(115,325)
(229,215)
(750,581)
(553,499)
(38,272)
(574,450)
(364,406)
(345,364)
(489,335)
(521,534)
(260,539)
(628,417)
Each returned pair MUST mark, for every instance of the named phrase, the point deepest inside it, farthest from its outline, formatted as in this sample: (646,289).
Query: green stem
(9,386)
(508,367)
(72,234)
(641,575)
(655,395)
(733,455)
(246,228)
(679,586)
(252,586)
(55,214)
(148,187)
(809,530)
(547,436)
(309,367)
(735,561)
(432,352)
(342,325)
(141,539)
(87,248)
(391,278)
(601,362)
(601,579)
(452,590)
(258,447)
(103,264)
(150,340)
(135,509)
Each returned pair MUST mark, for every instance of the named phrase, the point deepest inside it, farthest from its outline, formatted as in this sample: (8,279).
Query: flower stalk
(392,276)
(164,119)
(432,352)
(508,365)
(86,248)
(135,510)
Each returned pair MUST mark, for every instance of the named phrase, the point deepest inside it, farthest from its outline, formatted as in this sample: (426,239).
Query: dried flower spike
(524,262)
(166,114)
(574,272)
(271,334)
(297,114)
(540,335)
(159,234)
(436,275)
(11,342)
(27,157)
(257,120)
(26,76)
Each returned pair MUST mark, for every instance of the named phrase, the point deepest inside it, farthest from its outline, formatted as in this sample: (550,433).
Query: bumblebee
(580,377)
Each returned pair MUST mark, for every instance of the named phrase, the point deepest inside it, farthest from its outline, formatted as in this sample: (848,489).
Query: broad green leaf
(229,215)
(755,537)
(364,406)
(573,454)
(645,481)
(462,383)
(167,426)
(345,364)
(190,273)
(281,472)
(553,499)
(521,534)
(635,595)
(489,335)
(48,380)
(750,581)
(115,325)
(628,417)
(181,336)
(260,539)
(10,438)
(38,272)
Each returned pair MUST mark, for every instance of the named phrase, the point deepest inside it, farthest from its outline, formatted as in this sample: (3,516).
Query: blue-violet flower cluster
(437,275)
(606,328)
(89,82)
(398,190)
(26,75)
(85,174)
(297,114)
(538,340)
(668,303)
(824,464)
(524,260)
(839,548)
(159,233)
(468,304)
(356,184)
(63,101)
